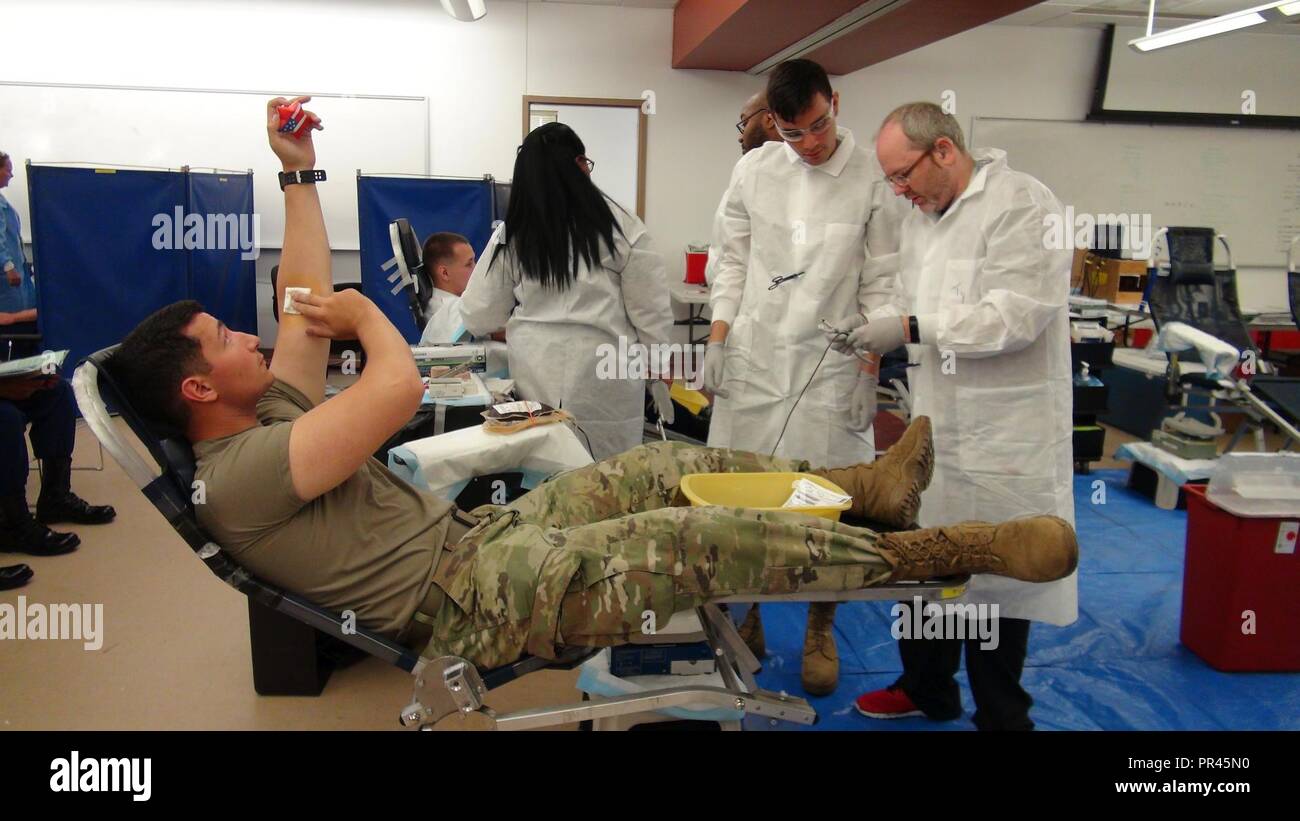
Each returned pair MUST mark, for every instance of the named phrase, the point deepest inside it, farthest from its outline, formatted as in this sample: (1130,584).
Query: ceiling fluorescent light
(467,11)
(1215,25)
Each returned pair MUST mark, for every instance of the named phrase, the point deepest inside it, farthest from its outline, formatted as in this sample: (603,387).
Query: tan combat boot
(1035,549)
(751,632)
(888,490)
(821,660)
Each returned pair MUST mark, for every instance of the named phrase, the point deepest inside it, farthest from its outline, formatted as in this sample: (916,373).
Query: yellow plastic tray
(693,401)
(761,491)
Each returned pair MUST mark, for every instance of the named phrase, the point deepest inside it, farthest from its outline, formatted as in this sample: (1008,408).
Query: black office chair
(337,346)
(1190,289)
(275,277)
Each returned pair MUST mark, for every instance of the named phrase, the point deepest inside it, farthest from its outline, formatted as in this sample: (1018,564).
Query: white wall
(476,74)
(1008,71)
(994,71)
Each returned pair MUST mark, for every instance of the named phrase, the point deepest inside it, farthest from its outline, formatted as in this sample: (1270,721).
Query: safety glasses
(818,128)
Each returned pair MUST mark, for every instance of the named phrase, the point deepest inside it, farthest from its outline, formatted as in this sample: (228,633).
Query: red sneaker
(890,702)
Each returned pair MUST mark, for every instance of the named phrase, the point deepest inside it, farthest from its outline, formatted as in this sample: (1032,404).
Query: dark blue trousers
(53,417)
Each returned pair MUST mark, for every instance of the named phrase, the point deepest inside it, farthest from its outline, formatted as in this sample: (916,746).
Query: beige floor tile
(175,651)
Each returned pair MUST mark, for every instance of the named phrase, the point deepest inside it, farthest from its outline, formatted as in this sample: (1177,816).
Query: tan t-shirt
(368,545)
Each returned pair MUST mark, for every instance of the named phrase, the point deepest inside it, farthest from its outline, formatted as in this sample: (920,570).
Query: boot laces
(942,548)
(820,632)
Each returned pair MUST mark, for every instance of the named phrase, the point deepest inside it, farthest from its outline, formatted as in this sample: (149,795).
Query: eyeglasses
(794,135)
(740,126)
(899,180)
(591,164)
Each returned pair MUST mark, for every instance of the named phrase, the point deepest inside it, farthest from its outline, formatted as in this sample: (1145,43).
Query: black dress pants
(929,667)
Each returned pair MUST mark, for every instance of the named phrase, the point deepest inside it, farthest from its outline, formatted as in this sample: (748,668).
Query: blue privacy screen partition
(223,274)
(112,245)
(464,206)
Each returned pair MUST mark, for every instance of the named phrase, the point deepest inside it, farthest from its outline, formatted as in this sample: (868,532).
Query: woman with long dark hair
(569,274)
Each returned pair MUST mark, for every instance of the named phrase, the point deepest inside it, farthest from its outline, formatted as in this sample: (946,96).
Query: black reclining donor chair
(410,274)
(1190,289)
(295,643)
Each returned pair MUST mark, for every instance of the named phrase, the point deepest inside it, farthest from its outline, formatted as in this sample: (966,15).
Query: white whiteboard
(1243,182)
(611,135)
(169,128)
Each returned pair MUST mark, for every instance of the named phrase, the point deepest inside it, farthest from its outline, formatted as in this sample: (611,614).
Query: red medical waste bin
(1241,588)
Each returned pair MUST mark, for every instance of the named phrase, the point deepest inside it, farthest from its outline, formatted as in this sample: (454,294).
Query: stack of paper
(43,364)
(807,493)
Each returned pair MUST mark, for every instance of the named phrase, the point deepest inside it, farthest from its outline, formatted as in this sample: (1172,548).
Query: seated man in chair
(290,490)
(46,403)
(449,260)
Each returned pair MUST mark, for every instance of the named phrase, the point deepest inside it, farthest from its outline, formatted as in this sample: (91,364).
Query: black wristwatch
(310,176)
(913,329)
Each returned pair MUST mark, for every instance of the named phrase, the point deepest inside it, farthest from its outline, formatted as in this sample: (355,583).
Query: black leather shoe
(66,506)
(35,539)
(15,575)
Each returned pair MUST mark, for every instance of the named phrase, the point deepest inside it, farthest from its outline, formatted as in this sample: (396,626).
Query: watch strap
(308,175)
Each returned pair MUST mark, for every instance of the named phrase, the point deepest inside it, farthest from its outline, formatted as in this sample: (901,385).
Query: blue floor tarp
(1119,667)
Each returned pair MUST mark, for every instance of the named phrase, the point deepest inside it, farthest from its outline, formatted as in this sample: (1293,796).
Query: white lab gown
(445,326)
(838,223)
(715,240)
(562,343)
(992,370)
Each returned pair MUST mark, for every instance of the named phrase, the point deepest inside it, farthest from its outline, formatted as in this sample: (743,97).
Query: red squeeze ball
(293,120)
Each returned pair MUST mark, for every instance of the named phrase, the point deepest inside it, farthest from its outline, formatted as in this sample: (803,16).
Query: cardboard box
(1114,280)
(1076,268)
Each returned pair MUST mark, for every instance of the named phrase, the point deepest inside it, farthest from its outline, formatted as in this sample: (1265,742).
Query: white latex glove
(663,401)
(862,407)
(879,337)
(711,371)
(837,332)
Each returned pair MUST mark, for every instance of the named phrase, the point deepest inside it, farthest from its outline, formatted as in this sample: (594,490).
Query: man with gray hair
(981,300)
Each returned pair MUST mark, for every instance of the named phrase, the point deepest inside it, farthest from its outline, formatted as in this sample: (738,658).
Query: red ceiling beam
(733,35)
(909,27)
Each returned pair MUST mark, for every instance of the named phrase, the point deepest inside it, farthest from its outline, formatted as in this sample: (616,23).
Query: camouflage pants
(586,557)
